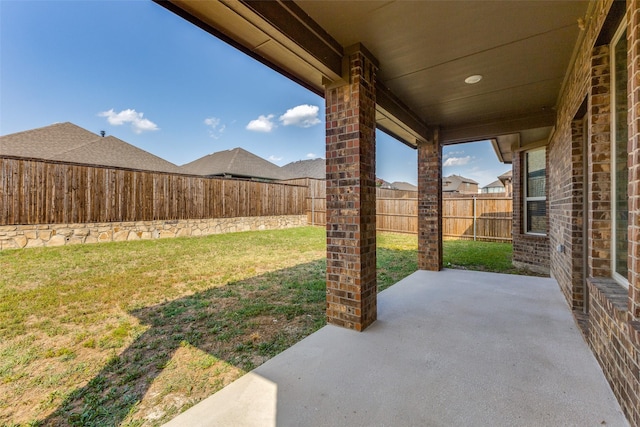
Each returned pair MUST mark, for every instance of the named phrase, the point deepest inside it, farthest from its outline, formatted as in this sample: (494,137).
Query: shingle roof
(495,184)
(45,142)
(401,185)
(314,168)
(236,162)
(111,151)
(452,182)
(67,142)
(507,174)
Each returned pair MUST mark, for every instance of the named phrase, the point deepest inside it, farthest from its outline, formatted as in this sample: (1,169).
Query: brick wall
(615,343)
(633,12)
(613,329)
(529,251)
(351,196)
(566,211)
(430,205)
(599,165)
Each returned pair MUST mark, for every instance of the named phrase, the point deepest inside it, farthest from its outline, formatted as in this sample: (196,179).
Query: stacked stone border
(45,235)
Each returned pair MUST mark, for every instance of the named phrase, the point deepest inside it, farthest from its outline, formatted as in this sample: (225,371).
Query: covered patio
(449,348)
(555,86)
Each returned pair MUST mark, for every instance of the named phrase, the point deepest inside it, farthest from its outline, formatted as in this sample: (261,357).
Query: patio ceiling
(425,51)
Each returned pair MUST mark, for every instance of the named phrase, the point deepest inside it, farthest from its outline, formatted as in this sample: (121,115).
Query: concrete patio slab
(450,348)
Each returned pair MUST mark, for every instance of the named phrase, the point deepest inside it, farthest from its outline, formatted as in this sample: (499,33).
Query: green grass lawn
(133,333)
(481,256)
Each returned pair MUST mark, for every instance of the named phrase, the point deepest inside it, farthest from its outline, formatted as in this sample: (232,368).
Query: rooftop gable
(313,168)
(67,142)
(236,162)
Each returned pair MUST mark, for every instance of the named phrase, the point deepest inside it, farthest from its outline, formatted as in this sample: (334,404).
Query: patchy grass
(480,256)
(134,333)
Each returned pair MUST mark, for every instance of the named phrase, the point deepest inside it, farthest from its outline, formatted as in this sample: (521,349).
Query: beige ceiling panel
(411,36)
(511,65)
(512,102)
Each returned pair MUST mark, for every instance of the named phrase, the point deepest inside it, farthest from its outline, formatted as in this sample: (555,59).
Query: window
(535,196)
(619,157)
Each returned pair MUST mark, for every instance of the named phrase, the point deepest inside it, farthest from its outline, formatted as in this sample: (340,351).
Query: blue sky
(148,77)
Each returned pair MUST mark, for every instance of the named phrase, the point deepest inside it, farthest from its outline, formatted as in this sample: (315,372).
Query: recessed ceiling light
(473,79)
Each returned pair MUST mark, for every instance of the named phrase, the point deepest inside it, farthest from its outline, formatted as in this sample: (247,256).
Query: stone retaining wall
(33,236)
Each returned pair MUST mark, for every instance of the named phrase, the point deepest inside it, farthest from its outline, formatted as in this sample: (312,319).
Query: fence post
(313,202)
(474,218)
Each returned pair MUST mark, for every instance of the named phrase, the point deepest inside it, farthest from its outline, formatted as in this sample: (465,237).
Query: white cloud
(303,116)
(212,121)
(215,129)
(311,155)
(452,154)
(262,124)
(273,158)
(138,123)
(457,161)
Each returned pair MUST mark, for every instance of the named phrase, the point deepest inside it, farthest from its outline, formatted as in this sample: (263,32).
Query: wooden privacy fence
(481,217)
(42,192)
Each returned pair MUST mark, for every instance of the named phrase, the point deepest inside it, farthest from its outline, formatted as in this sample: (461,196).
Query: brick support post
(633,61)
(430,204)
(351,194)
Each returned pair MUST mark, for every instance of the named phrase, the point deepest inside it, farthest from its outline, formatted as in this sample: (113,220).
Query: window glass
(537,216)
(536,179)
(535,192)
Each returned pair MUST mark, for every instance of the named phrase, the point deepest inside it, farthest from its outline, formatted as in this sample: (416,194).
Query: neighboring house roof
(507,175)
(236,162)
(314,168)
(111,151)
(45,142)
(453,182)
(401,185)
(384,184)
(66,142)
(495,184)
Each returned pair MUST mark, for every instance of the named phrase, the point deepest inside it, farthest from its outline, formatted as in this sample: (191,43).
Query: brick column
(351,194)
(633,61)
(430,204)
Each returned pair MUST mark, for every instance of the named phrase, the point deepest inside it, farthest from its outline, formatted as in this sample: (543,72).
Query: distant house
(493,188)
(66,142)
(313,168)
(459,184)
(507,181)
(235,163)
(401,185)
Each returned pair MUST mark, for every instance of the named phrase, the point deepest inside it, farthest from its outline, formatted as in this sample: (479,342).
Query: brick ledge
(611,295)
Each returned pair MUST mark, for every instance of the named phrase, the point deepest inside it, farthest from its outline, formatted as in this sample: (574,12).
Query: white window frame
(525,191)
(624,281)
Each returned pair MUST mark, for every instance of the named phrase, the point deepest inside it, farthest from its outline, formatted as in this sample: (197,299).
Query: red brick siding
(566,211)
(430,205)
(529,251)
(599,165)
(633,13)
(613,329)
(351,197)
(611,338)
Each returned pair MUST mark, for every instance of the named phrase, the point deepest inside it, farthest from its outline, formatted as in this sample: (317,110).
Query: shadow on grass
(242,323)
